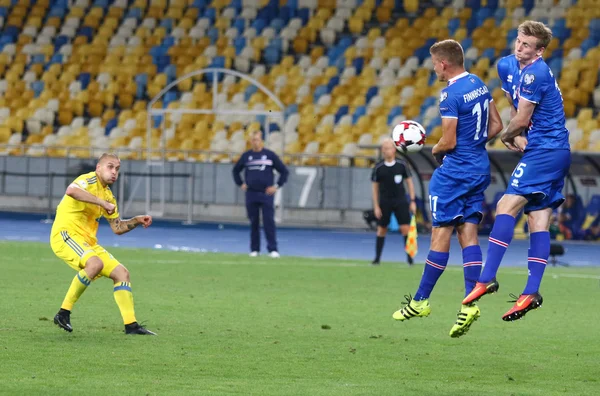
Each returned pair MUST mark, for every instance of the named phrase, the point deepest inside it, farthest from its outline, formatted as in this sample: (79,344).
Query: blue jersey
(467,99)
(547,127)
(509,73)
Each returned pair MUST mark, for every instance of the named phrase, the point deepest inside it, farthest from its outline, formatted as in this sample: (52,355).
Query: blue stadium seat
(84,78)
(112,123)
(291,109)
(259,25)
(171,72)
(473,4)
(199,4)
(333,82)
(236,4)
(319,91)
(136,13)
(593,207)
(37,87)
(38,58)
(239,43)
(358,112)
(250,90)
(101,3)
(286,13)
(211,14)
(304,15)
(86,31)
(358,64)
(342,111)
(213,34)
(59,41)
(170,97)
(453,25)
(277,24)
(489,53)
(272,56)
(239,24)
(371,92)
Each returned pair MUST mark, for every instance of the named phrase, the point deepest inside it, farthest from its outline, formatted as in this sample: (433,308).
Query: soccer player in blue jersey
(469,120)
(538,179)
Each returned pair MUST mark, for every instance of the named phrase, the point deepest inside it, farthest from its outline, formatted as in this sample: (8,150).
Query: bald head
(108,168)
(106,156)
(388,149)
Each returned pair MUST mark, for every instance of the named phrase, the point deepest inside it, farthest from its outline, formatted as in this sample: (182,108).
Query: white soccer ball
(409,136)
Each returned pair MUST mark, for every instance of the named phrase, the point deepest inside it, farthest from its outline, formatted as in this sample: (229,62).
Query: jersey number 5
(477,110)
(519,170)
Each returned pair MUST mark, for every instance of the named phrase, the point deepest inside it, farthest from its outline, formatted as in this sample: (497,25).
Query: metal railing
(35,150)
(123,203)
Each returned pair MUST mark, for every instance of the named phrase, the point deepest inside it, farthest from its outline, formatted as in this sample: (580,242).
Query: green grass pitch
(232,325)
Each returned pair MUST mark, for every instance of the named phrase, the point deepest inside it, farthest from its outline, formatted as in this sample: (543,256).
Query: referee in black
(389,196)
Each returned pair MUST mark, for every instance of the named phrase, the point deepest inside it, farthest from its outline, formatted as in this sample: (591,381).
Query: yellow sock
(78,286)
(124,299)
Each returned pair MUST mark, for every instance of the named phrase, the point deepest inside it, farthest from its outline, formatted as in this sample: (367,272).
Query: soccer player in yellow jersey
(73,239)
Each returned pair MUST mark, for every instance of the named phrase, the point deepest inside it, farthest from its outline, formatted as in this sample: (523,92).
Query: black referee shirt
(390,176)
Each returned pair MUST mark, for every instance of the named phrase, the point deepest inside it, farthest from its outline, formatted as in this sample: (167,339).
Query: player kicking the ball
(537,181)
(456,190)
(73,240)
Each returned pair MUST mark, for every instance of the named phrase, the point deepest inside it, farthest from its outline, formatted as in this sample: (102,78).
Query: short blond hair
(388,140)
(541,32)
(449,50)
(108,155)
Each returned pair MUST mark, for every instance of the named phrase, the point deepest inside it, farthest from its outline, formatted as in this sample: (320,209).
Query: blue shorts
(539,177)
(456,198)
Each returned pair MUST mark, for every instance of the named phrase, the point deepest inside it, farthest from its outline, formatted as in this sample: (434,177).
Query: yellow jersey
(81,217)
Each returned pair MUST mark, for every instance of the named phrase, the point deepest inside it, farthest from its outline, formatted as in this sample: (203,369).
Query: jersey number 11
(477,110)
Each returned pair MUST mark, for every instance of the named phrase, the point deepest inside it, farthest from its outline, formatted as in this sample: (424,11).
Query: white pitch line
(274,262)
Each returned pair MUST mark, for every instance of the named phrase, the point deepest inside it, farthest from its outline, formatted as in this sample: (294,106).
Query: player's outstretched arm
(79,194)
(495,125)
(120,226)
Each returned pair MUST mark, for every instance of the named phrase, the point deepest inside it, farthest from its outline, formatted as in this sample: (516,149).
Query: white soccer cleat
(253,254)
(274,254)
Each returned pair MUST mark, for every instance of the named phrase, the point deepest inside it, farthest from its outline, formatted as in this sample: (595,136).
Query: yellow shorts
(75,251)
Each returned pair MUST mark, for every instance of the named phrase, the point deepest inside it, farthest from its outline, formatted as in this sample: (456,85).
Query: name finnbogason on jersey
(474,94)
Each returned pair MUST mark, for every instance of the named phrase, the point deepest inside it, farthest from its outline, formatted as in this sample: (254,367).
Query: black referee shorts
(399,209)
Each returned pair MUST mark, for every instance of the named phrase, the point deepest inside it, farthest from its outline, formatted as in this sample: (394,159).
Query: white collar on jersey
(461,75)
(536,59)
(392,163)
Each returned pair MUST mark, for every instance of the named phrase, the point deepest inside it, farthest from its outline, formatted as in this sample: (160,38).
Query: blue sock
(434,268)
(539,250)
(472,260)
(500,238)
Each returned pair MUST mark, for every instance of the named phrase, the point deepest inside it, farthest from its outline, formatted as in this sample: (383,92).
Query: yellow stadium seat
(5,133)
(355,25)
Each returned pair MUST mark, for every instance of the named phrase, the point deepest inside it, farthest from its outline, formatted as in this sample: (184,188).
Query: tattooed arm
(120,226)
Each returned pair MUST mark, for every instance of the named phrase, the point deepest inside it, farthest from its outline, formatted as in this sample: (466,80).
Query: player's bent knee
(120,274)
(539,220)
(440,238)
(510,204)
(93,266)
